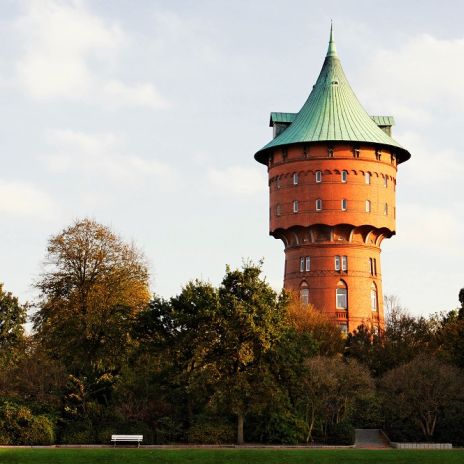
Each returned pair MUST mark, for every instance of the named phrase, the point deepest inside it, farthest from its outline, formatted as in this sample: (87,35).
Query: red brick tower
(332,180)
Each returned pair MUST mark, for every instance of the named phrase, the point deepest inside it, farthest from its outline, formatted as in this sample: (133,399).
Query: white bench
(127,438)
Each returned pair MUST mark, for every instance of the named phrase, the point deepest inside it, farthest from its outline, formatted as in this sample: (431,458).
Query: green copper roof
(383,120)
(331,113)
(282,118)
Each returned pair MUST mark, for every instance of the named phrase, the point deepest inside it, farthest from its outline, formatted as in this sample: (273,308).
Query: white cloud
(120,94)
(417,78)
(237,180)
(428,168)
(60,40)
(69,52)
(22,199)
(102,155)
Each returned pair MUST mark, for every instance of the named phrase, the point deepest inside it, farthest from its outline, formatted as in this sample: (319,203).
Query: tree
(12,318)
(252,319)
(330,388)
(317,326)
(91,289)
(404,336)
(418,393)
(461,300)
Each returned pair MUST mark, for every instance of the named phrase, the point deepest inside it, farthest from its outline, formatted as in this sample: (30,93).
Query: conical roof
(332,113)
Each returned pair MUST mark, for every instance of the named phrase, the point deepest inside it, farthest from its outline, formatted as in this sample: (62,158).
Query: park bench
(127,439)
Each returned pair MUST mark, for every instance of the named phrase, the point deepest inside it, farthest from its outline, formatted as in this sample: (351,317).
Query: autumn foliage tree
(92,286)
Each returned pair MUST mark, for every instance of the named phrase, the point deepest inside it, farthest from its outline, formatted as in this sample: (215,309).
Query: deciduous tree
(92,286)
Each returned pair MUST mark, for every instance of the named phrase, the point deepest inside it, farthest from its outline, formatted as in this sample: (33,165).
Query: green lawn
(232,456)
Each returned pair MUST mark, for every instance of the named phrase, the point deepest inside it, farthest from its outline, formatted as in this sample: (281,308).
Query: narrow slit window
(367,178)
(318,204)
(368,206)
(295,178)
(344,176)
(337,263)
(295,206)
(344,204)
(374,302)
(385,209)
(318,177)
(304,293)
(278,210)
(385,181)
(302,264)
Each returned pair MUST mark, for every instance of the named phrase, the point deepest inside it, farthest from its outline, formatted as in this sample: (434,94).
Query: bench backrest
(127,437)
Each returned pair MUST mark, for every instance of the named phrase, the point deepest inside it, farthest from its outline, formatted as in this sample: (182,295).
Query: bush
(168,430)
(39,432)
(77,433)
(19,426)
(340,434)
(281,427)
(211,431)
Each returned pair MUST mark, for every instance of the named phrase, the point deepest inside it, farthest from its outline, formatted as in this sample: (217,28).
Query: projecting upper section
(332,113)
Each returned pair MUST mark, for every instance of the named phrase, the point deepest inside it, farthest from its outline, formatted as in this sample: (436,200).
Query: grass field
(228,456)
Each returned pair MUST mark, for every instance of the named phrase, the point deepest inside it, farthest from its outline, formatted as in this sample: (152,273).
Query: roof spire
(332,51)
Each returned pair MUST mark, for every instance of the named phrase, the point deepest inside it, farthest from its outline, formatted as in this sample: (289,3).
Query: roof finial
(332,51)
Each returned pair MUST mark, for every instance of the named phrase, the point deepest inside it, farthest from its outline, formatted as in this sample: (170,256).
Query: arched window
(341,295)
(295,178)
(367,177)
(374,300)
(304,293)
(344,176)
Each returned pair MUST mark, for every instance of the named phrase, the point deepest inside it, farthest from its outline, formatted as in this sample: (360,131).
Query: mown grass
(227,456)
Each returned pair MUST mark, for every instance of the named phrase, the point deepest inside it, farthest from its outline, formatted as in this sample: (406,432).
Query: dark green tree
(252,319)
(12,319)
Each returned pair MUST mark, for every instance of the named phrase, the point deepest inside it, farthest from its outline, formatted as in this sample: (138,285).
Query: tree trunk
(240,420)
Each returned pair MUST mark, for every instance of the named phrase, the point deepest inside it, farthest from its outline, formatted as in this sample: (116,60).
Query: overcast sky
(146,114)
